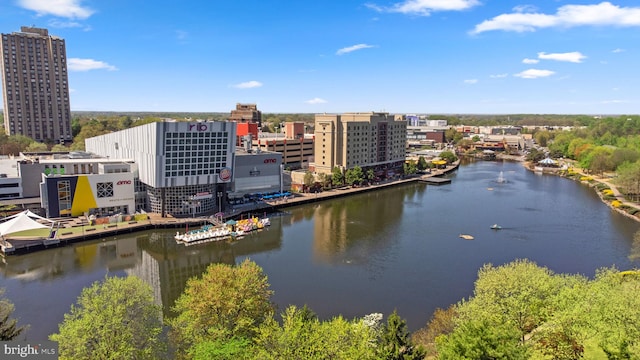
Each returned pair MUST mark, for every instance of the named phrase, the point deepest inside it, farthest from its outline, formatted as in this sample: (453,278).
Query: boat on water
(496,227)
(230,230)
(466,236)
(206,233)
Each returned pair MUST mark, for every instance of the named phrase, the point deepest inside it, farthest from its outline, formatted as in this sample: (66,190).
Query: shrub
(616,203)
(607,192)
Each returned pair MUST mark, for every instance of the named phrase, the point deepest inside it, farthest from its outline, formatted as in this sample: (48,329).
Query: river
(397,248)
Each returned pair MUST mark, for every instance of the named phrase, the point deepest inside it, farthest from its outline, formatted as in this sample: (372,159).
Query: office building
(35,85)
(369,140)
(246,113)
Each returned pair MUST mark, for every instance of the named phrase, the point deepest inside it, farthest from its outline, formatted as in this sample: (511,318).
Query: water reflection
(393,249)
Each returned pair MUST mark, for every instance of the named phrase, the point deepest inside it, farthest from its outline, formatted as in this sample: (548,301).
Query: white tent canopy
(21,222)
(548,161)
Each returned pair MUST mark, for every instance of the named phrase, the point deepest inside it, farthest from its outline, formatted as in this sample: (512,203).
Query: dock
(435,180)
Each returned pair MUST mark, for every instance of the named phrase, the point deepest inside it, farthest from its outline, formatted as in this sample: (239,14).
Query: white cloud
(534,74)
(425,7)
(471,81)
(248,85)
(316,101)
(603,14)
(618,50)
(499,76)
(75,64)
(574,57)
(349,49)
(525,9)
(62,8)
(614,101)
(530,61)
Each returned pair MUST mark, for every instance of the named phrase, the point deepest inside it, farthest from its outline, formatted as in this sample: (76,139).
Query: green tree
(303,336)
(448,156)
(115,319)
(59,147)
(336,176)
(422,163)
(309,180)
(628,179)
(482,340)
(223,349)
(395,343)
(37,147)
(9,329)
(520,294)
(370,175)
(612,305)
(410,167)
(354,176)
(225,302)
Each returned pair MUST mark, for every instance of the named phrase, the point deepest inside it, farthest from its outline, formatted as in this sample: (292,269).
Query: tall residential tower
(35,85)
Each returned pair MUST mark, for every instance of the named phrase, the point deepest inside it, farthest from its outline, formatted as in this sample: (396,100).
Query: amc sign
(124,182)
(270,161)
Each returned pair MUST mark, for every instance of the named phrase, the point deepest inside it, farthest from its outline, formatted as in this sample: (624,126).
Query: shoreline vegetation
(603,185)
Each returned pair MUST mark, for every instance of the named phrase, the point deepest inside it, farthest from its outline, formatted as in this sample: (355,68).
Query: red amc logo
(124,182)
(269,161)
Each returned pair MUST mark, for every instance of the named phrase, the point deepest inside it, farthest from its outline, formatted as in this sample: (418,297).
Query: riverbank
(603,185)
(78,229)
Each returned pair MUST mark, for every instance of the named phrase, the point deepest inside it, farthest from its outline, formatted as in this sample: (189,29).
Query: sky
(336,56)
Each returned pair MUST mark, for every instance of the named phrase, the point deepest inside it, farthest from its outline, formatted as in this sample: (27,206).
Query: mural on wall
(83,197)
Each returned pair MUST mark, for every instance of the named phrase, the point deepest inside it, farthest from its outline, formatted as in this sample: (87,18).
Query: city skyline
(412,56)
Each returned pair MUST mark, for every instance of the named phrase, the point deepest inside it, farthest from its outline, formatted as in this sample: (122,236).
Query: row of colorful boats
(229,230)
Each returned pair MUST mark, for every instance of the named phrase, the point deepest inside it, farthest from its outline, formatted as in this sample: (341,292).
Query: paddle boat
(496,227)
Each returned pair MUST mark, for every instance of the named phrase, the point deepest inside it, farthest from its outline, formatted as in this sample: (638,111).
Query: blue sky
(412,56)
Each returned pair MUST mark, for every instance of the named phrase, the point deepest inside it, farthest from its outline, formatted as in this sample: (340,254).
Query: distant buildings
(35,85)
(246,113)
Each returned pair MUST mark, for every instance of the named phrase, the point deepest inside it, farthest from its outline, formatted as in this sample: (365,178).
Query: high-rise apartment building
(369,140)
(35,84)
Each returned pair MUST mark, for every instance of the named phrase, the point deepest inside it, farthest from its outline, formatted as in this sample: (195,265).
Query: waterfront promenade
(73,230)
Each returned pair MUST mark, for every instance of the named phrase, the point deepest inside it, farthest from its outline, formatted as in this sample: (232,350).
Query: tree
(448,156)
(336,176)
(115,319)
(519,293)
(309,180)
(422,163)
(37,147)
(395,343)
(9,329)
(370,175)
(410,168)
(354,176)
(629,179)
(441,323)
(59,148)
(225,302)
(612,306)
(303,336)
(231,349)
(483,340)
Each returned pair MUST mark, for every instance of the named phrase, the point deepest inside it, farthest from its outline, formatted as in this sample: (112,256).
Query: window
(104,189)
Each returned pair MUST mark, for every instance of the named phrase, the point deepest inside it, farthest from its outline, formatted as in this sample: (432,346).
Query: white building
(184,167)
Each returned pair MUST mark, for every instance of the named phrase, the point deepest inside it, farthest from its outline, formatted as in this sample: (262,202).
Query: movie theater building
(185,167)
(97,194)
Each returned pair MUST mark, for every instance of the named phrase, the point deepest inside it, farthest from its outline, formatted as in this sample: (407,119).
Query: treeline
(609,145)
(226,313)
(518,311)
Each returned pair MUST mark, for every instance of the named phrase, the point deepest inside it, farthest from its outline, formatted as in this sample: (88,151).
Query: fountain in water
(501,178)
